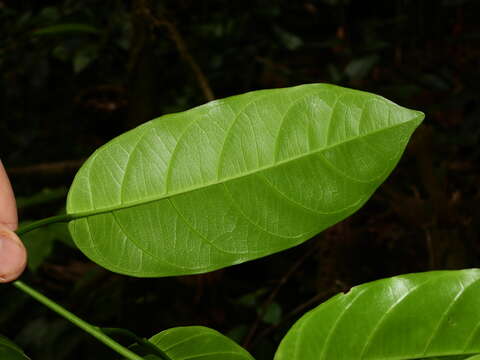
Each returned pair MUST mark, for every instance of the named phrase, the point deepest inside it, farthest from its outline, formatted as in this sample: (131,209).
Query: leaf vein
(301,206)
(337,321)
(228,132)
(122,185)
(241,212)
(191,227)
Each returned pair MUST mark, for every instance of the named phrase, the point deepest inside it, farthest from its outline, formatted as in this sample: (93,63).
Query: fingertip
(8,206)
(13,256)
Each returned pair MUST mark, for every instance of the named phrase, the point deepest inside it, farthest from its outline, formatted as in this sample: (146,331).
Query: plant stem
(144,343)
(43,222)
(92,330)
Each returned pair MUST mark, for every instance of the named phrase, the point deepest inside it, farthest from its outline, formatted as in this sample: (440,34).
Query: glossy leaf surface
(10,351)
(234,179)
(433,315)
(198,343)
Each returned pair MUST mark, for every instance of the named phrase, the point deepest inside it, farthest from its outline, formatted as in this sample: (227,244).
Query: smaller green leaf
(357,69)
(61,53)
(10,351)
(39,245)
(198,343)
(273,315)
(40,242)
(43,197)
(335,74)
(81,61)
(436,82)
(288,39)
(140,345)
(84,57)
(432,315)
(238,333)
(251,299)
(61,29)
(49,15)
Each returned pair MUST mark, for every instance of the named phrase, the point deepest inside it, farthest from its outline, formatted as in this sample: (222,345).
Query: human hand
(13,256)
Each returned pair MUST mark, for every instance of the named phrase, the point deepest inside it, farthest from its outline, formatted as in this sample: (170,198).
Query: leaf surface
(434,315)
(234,179)
(198,343)
(10,351)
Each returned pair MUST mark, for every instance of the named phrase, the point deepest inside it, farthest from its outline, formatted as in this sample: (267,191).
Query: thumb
(13,256)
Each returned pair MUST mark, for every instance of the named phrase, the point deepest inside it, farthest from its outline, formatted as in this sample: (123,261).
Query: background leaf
(423,315)
(10,351)
(61,29)
(359,68)
(273,314)
(235,179)
(198,343)
(43,197)
(40,243)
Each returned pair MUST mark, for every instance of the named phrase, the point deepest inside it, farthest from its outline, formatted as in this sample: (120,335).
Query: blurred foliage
(73,74)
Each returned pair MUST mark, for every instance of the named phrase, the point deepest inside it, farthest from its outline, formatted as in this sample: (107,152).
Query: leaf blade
(10,351)
(234,179)
(198,342)
(413,316)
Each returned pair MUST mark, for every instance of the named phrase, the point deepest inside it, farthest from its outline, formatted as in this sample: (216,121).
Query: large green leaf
(416,316)
(10,351)
(198,343)
(234,179)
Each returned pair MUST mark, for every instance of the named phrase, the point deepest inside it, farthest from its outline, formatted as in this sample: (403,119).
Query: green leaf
(61,29)
(198,343)
(39,245)
(140,345)
(238,332)
(357,69)
(252,299)
(273,314)
(235,179)
(43,197)
(416,316)
(289,40)
(10,351)
(82,59)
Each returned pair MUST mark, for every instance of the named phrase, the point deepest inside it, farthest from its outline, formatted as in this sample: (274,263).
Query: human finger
(8,206)
(13,256)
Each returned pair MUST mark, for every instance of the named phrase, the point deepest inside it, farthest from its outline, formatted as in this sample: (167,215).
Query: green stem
(43,222)
(92,330)
(144,343)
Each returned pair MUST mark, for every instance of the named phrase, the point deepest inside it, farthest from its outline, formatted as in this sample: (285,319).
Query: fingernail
(12,258)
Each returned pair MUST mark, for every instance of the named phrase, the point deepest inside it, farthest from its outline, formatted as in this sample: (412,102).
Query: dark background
(74,74)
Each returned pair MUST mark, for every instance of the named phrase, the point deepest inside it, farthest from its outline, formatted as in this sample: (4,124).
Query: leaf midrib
(144,201)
